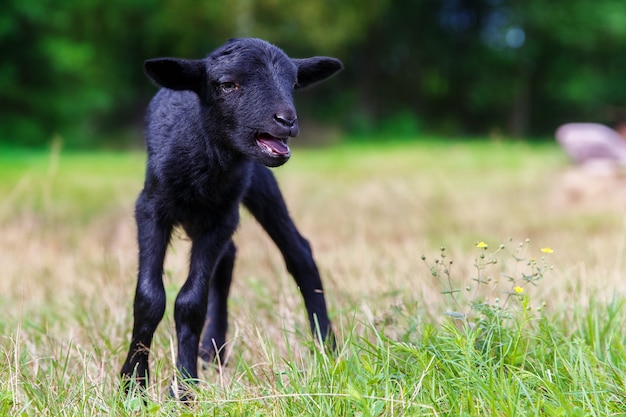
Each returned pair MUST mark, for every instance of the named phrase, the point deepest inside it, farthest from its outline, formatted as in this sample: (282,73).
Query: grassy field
(528,322)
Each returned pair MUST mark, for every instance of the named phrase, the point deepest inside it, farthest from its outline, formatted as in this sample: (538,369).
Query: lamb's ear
(175,73)
(316,69)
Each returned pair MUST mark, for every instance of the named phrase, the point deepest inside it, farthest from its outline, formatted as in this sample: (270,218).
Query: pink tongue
(274,145)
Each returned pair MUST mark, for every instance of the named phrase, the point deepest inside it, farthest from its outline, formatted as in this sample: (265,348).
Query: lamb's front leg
(266,203)
(149,304)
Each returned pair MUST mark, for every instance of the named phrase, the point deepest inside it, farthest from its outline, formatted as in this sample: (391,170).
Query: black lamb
(211,132)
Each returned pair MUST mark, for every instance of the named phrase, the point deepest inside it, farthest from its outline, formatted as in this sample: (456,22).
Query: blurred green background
(456,68)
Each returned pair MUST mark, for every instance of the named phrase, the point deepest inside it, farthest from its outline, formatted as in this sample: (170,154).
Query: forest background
(450,68)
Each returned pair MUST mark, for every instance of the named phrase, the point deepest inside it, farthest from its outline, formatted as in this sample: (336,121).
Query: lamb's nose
(286,119)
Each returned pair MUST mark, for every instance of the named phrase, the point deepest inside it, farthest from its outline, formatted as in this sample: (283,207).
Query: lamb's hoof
(183,392)
(212,359)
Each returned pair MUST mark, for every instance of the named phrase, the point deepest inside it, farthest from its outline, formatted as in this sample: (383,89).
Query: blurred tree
(38,74)
(448,66)
(473,66)
(67,68)
(577,65)
(75,68)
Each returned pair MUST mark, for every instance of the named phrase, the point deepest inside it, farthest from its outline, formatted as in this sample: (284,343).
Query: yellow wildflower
(518,290)
(482,245)
(547,249)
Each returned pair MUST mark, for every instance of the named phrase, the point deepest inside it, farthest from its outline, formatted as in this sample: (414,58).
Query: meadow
(463,279)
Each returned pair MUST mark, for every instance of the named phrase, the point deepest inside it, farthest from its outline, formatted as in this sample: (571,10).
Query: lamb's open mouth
(272,145)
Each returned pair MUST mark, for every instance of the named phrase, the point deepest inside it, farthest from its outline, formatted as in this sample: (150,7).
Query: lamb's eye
(228,87)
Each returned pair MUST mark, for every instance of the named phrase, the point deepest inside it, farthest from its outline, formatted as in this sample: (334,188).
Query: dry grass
(68,252)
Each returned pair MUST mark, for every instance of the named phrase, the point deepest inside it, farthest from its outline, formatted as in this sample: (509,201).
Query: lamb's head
(245,89)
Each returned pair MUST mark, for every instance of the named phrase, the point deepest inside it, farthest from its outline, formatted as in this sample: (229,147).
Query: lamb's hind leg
(212,347)
(149,304)
(211,240)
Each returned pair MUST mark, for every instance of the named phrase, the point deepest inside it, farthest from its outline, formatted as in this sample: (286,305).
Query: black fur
(211,132)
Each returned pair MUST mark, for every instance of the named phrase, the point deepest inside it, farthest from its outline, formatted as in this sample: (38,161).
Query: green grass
(371,211)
